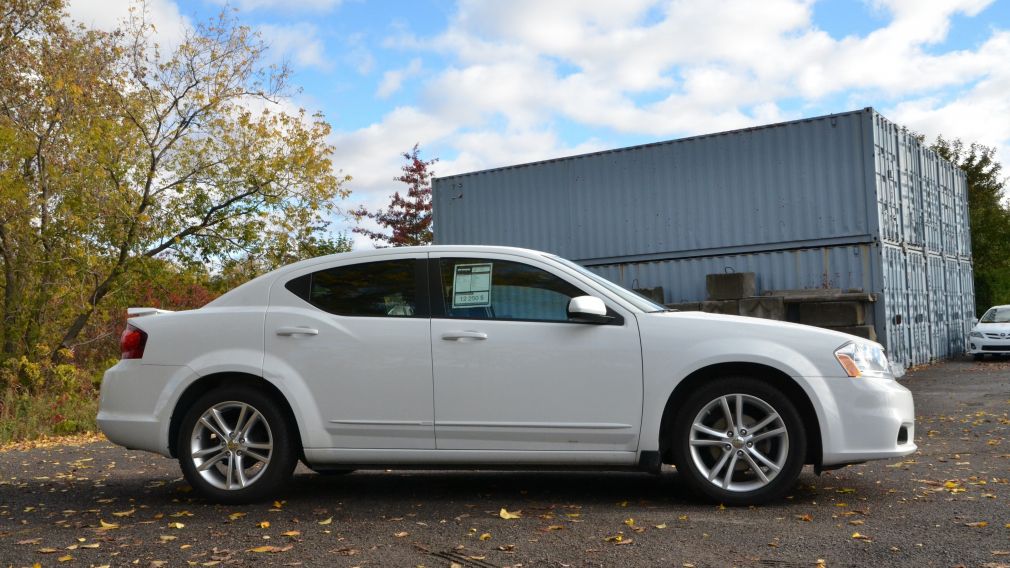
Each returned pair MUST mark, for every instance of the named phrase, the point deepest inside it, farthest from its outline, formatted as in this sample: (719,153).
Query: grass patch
(30,415)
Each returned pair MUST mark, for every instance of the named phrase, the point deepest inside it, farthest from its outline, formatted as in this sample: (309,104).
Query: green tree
(989,218)
(114,155)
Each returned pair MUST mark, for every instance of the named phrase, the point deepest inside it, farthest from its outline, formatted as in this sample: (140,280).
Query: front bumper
(988,345)
(134,409)
(870,419)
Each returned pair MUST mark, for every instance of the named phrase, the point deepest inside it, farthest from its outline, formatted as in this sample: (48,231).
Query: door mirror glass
(588,309)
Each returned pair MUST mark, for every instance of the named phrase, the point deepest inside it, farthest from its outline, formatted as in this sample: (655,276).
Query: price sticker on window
(471,286)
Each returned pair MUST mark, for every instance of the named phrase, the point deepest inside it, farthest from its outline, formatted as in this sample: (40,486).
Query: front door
(512,373)
(355,337)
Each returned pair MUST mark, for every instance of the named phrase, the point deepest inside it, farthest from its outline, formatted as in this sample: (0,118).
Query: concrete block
(832,314)
(767,307)
(728,307)
(654,294)
(686,306)
(731,286)
(865,331)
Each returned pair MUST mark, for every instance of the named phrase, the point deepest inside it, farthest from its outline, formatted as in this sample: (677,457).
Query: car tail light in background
(132,342)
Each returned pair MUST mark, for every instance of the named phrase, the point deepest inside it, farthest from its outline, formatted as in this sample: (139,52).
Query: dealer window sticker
(471,285)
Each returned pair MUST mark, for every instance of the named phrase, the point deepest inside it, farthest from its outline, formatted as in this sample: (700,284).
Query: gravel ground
(95,504)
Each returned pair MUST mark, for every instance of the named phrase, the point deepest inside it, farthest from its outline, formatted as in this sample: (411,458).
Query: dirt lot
(947,505)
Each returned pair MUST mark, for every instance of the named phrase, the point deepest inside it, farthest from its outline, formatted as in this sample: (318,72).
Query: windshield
(630,296)
(996,315)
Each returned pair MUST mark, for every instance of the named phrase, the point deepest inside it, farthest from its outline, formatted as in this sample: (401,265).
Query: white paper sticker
(471,286)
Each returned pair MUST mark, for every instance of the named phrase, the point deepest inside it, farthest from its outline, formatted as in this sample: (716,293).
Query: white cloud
(393,79)
(170,25)
(674,68)
(299,43)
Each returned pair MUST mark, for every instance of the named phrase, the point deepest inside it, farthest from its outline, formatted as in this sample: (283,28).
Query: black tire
(979,356)
(791,448)
(283,455)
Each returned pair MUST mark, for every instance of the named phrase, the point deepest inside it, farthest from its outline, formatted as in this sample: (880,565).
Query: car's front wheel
(235,446)
(739,441)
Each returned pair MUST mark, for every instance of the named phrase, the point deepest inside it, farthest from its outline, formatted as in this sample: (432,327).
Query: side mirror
(588,309)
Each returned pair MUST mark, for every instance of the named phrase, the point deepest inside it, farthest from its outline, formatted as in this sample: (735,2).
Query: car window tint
(503,290)
(374,289)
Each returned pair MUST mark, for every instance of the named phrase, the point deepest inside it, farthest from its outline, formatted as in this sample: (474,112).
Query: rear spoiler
(138,312)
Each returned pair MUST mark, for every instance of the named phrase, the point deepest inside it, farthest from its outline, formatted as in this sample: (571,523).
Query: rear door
(356,336)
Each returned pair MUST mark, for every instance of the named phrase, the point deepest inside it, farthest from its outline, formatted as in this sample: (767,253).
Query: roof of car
(414,249)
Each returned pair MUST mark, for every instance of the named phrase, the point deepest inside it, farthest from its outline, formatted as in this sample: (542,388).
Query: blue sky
(484,84)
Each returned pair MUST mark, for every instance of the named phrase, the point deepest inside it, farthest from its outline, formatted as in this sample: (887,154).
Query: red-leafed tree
(408,218)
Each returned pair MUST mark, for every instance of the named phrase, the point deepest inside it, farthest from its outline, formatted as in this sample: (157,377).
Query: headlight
(863,360)
(977,334)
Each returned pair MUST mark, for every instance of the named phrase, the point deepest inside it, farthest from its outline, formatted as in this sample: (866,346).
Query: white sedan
(991,334)
(490,357)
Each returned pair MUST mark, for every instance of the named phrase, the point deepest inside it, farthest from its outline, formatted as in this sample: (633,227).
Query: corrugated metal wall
(683,280)
(845,201)
(788,186)
(924,229)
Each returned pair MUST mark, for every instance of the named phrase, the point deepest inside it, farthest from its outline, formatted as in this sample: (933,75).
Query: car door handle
(293,330)
(457,335)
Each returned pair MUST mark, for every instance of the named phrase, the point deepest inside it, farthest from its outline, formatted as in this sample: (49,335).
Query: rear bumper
(872,419)
(134,410)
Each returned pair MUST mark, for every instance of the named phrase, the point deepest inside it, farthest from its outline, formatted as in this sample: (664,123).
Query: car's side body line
(329,456)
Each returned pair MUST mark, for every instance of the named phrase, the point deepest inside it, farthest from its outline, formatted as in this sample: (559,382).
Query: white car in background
(491,357)
(991,334)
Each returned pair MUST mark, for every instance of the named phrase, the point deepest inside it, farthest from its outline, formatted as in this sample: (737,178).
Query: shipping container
(850,201)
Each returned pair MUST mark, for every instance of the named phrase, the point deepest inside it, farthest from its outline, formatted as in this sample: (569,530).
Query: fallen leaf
(326,521)
(66,558)
(181,514)
(30,541)
(107,526)
(615,538)
(401,534)
(236,516)
(629,522)
(555,528)
(177,525)
(858,536)
(278,504)
(47,550)
(292,533)
(263,524)
(804,518)
(856,522)
(660,526)
(977,524)
(167,538)
(124,513)
(93,545)
(505,514)
(485,536)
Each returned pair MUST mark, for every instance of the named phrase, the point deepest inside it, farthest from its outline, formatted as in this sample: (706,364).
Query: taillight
(132,342)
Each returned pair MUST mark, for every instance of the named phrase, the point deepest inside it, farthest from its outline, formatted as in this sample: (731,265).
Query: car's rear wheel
(236,446)
(739,441)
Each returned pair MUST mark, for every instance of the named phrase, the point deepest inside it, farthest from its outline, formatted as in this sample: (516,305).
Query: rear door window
(387,288)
